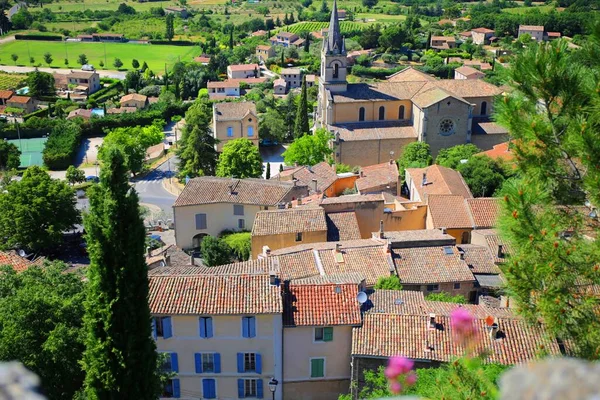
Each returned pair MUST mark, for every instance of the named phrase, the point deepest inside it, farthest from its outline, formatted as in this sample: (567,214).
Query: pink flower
(411,379)
(398,366)
(462,323)
(395,387)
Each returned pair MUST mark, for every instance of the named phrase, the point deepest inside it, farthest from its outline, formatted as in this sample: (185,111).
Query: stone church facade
(372,122)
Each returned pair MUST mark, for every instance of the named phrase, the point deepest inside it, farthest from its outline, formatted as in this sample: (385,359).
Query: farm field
(381,18)
(155,56)
(10,81)
(524,10)
(345,26)
(66,6)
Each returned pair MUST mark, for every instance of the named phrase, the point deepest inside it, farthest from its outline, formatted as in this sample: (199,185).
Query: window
(248,327)
(209,389)
(433,288)
(200,221)
(206,327)
(249,362)
(170,364)
(336,71)
(401,112)
(299,237)
(483,108)
(457,285)
(162,327)
(317,367)
(250,388)
(361,114)
(250,131)
(171,389)
(446,127)
(229,131)
(381,113)
(238,209)
(207,363)
(324,334)
(241,223)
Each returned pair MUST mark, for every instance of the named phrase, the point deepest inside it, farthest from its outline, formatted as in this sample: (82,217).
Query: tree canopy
(215,251)
(389,283)
(414,155)
(197,154)
(309,149)
(240,159)
(483,175)
(450,157)
(10,155)
(133,142)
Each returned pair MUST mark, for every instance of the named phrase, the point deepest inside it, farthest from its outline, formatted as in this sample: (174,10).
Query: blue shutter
(174,363)
(213,388)
(259,389)
(198,362)
(209,389)
(252,329)
(154,328)
(167,331)
(241,388)
(209,327)
(202,327)
(176,388)
(240,362)
(258,364)
(245,327)
(217,361)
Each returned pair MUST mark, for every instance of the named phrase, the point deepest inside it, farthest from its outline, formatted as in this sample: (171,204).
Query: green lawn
(155,56)
(524,10)
(68,5)
(382,18)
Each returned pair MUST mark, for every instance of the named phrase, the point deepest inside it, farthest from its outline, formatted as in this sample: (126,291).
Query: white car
(87,67)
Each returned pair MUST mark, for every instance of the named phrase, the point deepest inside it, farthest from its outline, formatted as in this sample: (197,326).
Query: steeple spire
(334,35)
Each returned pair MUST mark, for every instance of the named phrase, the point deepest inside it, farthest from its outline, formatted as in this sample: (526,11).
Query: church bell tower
(334,64)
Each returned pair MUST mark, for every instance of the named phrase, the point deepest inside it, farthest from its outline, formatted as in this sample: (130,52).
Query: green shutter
(317,368)
(327,334)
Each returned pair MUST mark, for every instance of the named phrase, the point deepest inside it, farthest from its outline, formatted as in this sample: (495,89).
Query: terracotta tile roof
(290,71)
(440,180)
(209,190)
(243,67)
(234,111)
(213,295)
(410,75)
(222,84)
(479,259)
(353,198)
(469,71)
(342,226)
(321,305)
(287,34)
(500,151)
(482,30)
(373,262)
(259,33)
(378,177)
(466,34)
(134,97)
(431,265)
(433,95)
(278,222)
(379,91)
(386,335)
(20,99)
(488,128)
(350,277)
(493,240)
(279,82)
(468,88)
(86,114)
(352,132)
(82,74)
(483,66)
(5,94)
(443,38)
(484,210)
(418,238)
(18,263)
(396,302)
(323,173)
(202,59)
(264,47)
(538,28)
(260,266)
(298,264)
(448,211)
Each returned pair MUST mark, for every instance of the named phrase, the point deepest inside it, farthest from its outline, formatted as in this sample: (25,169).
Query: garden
(11,81)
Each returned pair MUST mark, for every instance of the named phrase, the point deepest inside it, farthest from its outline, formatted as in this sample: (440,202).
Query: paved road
(7,39)
(151,190)
(102,73)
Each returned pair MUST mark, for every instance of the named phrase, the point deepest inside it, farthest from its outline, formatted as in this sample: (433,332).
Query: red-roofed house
(243,71)
(500,151)
(18,263)
(317,338)
(481,35)
(4,96)
(25,103)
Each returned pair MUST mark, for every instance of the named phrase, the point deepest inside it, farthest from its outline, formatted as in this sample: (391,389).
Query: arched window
(197,240)
(336,71)
(465,238)
(361,114)
(250,131)
(401,112)
(381,113)
(483,108)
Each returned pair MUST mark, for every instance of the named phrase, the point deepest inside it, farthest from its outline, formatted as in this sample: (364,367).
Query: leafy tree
(35,211)
(369,37)
(125,9)
(324,8)
(117,63)
(309,149)
(450,157)
(197,154)
(82,59)
(393,37)
(135,63)
(240,159)
(133,143)
(66,61)
(447,298)
(120,359)
(41,314)
(231,42)
(414,155)
(48,58)
(31,60)
(240,244)
(169,30)
(391,282)
(215,251)
(74,175)
(14,57)
(144,66)
(483,175)
(369,3)
(553,118)
(268,172)
(40,84)
(301,126)
(10,156)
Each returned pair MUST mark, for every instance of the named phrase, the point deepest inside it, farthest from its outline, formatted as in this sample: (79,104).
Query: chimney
(391,161)
(362,173)
(294,181)
(299,201)
(295,163)
(432,324)
(494,331)
(500,251)
(424,181)
(314,185)
(274,280)
(338,248)
(461,255)
(443,230)
(148,252)
(230,189)
(266,250)
(191,258)
(380,229)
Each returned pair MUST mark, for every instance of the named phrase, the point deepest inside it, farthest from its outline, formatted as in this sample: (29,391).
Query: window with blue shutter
(258,365)
(241,391)
(200,221)
(166,327)
(154,328)
(198,362)
(240,362)
(209,389)
(217,361)
(229,131)
(206,327)
(250,131)
(174,363)
(176,388)
(248,327)
(259,389)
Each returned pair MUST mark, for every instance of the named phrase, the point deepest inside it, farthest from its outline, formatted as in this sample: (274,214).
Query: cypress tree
(268,173)
(301,126)
(231,39)
(282,57)
(307,42)
(120,360)
(280,167)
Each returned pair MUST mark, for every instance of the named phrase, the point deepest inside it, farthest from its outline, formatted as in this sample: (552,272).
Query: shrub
(215,251)
(62,145)
(240,243)
(403,58)
(56,38)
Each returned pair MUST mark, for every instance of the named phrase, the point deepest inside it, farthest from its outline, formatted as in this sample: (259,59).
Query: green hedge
(34,127)
(172,42)
(39,37)
(376,73)
(62,145)
(110,91)
(39,113)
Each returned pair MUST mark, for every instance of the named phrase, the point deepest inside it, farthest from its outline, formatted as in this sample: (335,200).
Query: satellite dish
(162,264)
(22,253)
(362,297)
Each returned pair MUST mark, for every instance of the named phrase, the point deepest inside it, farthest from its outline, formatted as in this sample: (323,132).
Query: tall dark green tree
(231,39)
(307,42)
(197,154)
(120,357)
(169,29)
(301,126)
(10,155)
(268,172)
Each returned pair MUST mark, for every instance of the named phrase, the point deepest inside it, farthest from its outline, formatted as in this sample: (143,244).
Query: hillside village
(271,200)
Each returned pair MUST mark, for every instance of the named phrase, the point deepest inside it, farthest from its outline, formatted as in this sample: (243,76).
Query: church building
(372,122)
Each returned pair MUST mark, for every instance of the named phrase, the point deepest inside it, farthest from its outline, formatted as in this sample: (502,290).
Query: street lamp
(273,386)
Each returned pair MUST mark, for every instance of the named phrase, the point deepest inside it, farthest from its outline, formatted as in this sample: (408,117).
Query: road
(22,70)
(151,190)
(7,39)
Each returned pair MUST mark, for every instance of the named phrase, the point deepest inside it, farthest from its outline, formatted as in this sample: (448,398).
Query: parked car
(92,178)
(87,67)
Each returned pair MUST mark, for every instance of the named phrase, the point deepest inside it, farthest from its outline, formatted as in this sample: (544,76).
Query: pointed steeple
(334,35)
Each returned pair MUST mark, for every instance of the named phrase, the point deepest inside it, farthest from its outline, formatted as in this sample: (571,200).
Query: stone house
(25,103)
(482,36)
(264,51)
(243,71)
(292,77)
(466,72)
(139,101)
(88,82)
(234,121)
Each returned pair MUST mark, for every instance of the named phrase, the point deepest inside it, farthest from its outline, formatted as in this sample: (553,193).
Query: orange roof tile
(500,151)
(342,226)
(430,265)
(277,222)
(5,94)
(479,259)
(20,99)
(18,263)
(440,180)
(485,211)
(379,177)
(448,211)
(243,67)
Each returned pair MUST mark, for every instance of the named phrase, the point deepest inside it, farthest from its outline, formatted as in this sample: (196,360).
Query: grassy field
(523,10)
(382,18)
(10,81)
(104,5)
(155,56)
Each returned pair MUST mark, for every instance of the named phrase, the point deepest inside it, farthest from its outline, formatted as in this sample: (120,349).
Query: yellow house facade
(235,121)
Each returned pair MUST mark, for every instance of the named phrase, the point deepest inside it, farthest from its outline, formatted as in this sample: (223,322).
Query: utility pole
(105,54)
